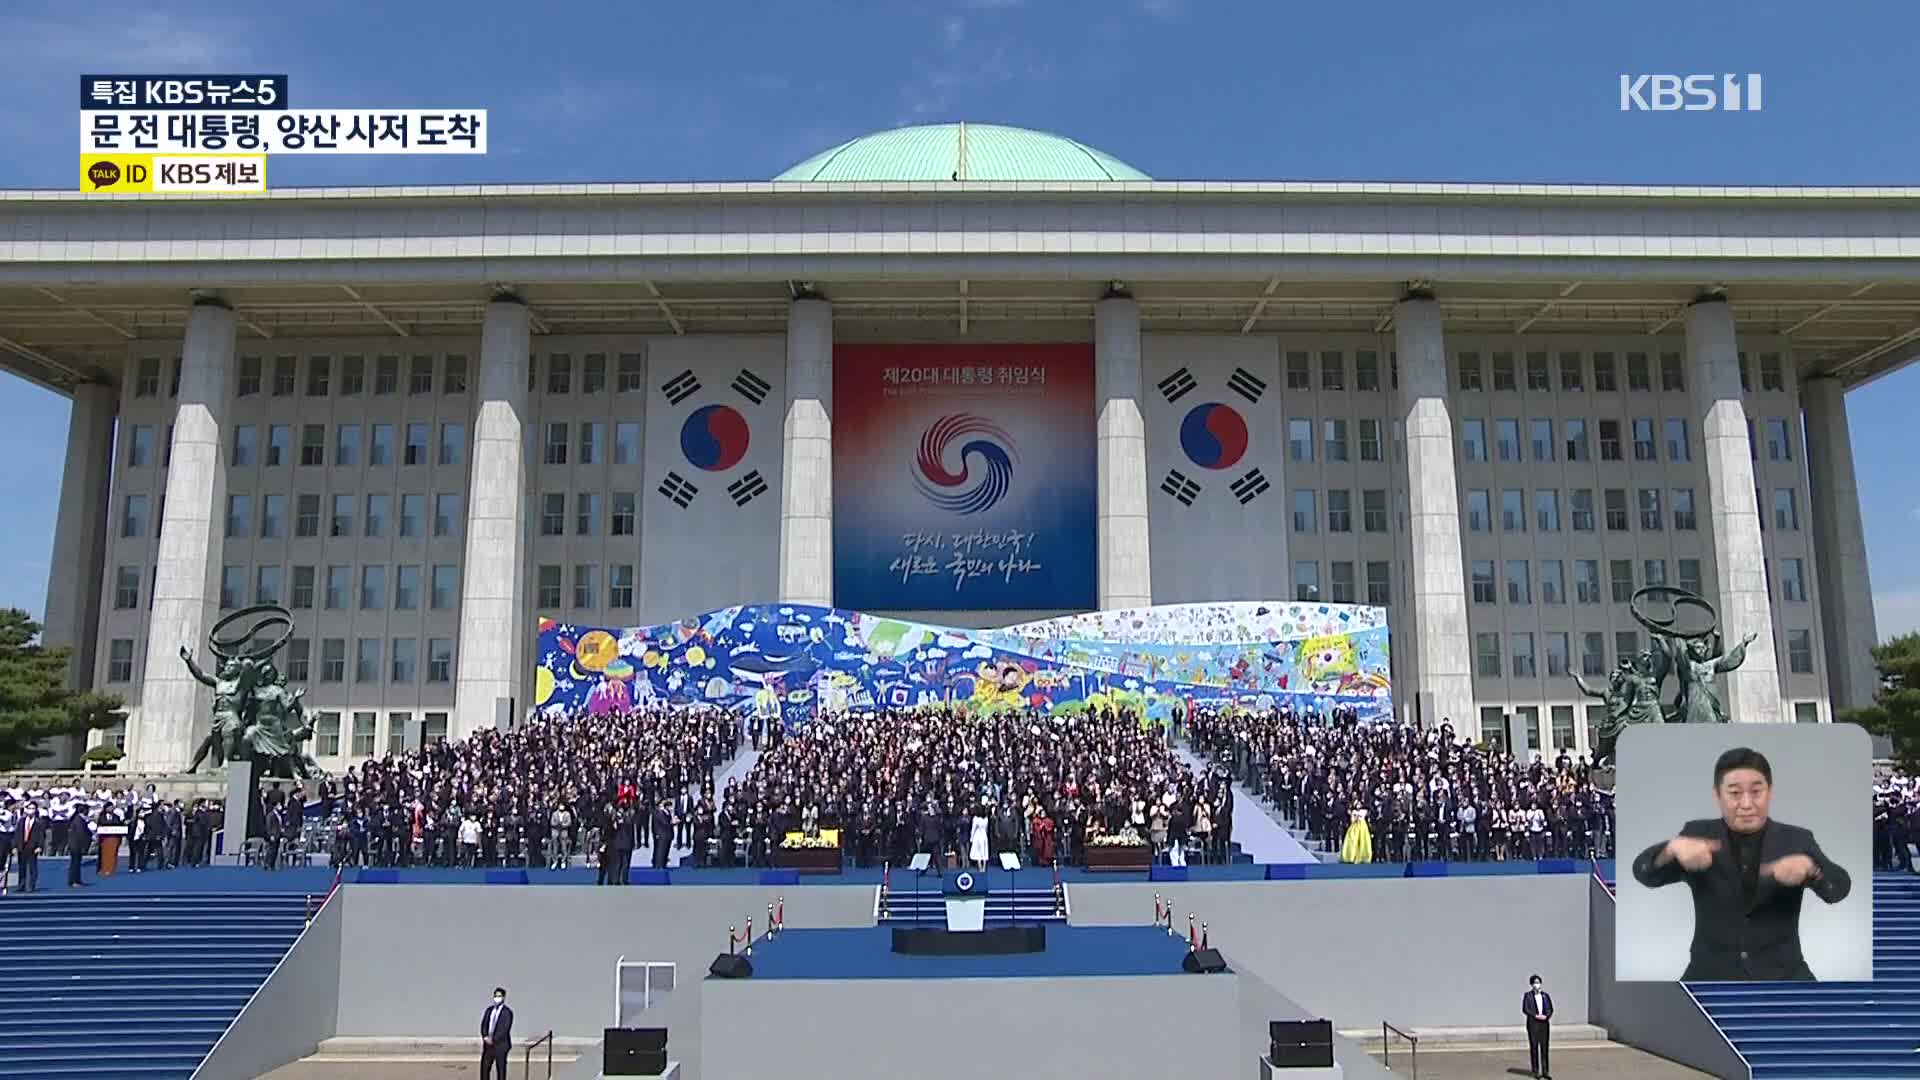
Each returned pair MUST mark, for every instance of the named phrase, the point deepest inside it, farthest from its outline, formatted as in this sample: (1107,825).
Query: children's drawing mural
(807,660)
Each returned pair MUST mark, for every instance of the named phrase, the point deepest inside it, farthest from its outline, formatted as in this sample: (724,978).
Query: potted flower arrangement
(810,854)
(1119,851)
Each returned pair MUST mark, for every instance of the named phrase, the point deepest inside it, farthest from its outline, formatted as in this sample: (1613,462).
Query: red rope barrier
(1193,936)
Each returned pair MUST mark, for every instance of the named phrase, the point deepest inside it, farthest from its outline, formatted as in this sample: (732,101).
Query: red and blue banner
(964,477)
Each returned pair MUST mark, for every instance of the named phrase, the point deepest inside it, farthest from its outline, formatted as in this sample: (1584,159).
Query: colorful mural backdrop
(963,477)
(1313,656)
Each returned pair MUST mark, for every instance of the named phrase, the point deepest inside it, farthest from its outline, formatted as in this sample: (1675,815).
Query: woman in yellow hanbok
(1358,846)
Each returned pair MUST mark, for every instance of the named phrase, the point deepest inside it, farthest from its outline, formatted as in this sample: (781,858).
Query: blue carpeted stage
(867,953)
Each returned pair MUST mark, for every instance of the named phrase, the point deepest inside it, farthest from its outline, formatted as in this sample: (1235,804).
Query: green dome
(936,152)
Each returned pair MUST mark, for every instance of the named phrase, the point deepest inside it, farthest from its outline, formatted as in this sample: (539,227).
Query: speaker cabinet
(1301,1044)
(634,1052)
(1204,962)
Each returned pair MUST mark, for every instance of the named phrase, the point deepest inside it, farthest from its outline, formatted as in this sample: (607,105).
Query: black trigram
(747,488)
(1246,384)
(751,386)
(1177,385)
(1251,486)
(676,488)
(681,386)
(1182,487)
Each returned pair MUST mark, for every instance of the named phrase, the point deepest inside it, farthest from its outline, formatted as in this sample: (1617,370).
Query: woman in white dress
(977,845)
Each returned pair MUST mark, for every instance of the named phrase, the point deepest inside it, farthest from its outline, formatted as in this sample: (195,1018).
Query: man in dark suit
(496,1036)
(1537,1006)
(1747,874)
(32,841)
(79,841)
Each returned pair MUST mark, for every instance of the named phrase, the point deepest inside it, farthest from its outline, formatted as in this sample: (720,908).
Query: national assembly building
(424,419)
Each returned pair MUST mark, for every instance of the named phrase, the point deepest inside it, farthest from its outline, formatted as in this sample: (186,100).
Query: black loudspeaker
(731,966)
(634,1052)
(1301,1044)
(1204,962)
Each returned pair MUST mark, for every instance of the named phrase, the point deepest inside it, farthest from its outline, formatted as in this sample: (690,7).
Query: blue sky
(1179,88)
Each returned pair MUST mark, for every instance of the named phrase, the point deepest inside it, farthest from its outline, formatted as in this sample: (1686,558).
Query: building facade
(422,419)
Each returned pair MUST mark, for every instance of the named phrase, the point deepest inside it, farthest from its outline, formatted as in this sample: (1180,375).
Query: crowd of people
(1896,821)
(1416,793)
(68,822)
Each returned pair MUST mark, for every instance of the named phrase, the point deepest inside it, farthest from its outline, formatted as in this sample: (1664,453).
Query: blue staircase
(108,985)
(1004,905)
(1835,1029)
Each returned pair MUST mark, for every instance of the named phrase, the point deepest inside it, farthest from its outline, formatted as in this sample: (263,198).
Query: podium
(966,933)
(966,900)
(111,837)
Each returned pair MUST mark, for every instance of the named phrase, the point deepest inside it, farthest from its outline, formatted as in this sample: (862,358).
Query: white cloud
(954,30)
(1896,612)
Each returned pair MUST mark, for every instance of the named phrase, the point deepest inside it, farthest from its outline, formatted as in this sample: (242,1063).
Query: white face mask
(499,1000)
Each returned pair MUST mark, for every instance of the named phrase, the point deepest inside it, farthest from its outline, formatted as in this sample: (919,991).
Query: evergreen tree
(1895,712)
(35,702)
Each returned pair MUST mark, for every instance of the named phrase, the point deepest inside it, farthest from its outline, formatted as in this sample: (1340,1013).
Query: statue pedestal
(243,798)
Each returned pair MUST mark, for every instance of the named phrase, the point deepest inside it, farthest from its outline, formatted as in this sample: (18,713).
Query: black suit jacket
(502,1031)
(1527,1007)
(1737,941)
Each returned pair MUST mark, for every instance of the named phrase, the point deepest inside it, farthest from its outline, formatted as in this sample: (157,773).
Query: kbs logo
(1689,93)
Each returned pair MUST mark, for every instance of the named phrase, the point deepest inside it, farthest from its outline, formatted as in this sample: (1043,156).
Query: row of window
(332,588)
(1654,506)
(326,732)
(282,376)
(1521,659)
(245,448)
(1539,444)
(1520,580)
(585,591)
(346,516)
(375,660)
(1494,728)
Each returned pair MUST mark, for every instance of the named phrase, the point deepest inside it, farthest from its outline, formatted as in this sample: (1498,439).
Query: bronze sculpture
(256,716)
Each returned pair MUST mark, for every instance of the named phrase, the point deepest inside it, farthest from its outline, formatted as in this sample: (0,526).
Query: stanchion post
(772,927)
(1203,936)
(1193,936)
(749,935)
(732,936)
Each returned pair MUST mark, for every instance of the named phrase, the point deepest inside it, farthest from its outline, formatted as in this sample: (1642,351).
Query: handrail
(526,1062)
(1386,1046)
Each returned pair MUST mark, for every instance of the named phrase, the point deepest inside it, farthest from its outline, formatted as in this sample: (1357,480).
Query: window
(1771,374)
(1672,375)
(1793,581)
(1586,580)
(1299,373)
(373,588)
(140,446)
(299,657)
(1513,510)
(1366,370)
(1643,448)
(415,451)
(233,586)
(397,732)
(1604,380)
(1683,515)
(553,514)
(405,659)
(366,660)
(1651,518)
(592,436)
(1540,434)
(1621,573)
(1369,440)
(1340,515)
(626,442)
(1610,440)
(1506,435)
(453,444)
(246,446)
(406,588)
(1638,376)
(1470,372)
(1677,447)
(583,590)
(120,660)
(556,453)
(1483,587)
(1479,511)
(1335,433)
(1580,509)
(1300,440)
(1654,571)
(445,586)
(353,375)
(413,516)
(547,593)
(1806,712)
(319,369)
(1571,371)
(1340,581)
(1690,575)
(283,376)
(346,444)
(1519,582)
(1486,655)
(133,517)
(249,381)
(306,522)
(1304,511)
(1373,510)
(1546,510)
(593,373)
(363,723)
(1473,440)
(1800,652)
(1625,643)
(1537,377)
(313,444)
(386,375)
(620,585)
(1593,653)
(1576,440)
(1333,370)
(1306,580)
(559,374)
(1616,501)
(1562,714)
(126,588)
(340,523)
(266,584)
(420,375)
(439,659)
(279,444)
(446,514)
(273,517)
(1558,650)
(632,380)
(1779,442)
(379,445)
(1523,667)
(433,728)
(1503,375)
(302,597)
(1553,582)
(339,580)
(1379,592)
(454,381)
(333,659)
(1786,515)
(239,514)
